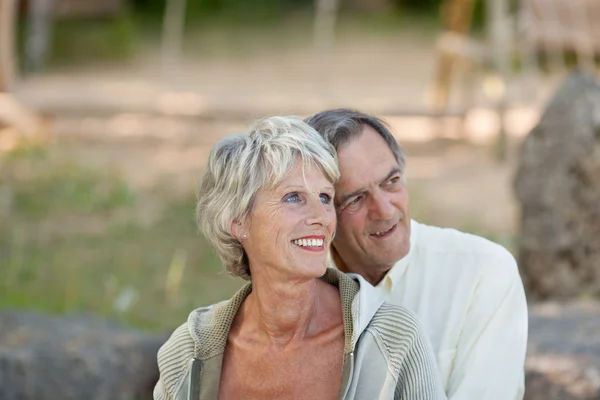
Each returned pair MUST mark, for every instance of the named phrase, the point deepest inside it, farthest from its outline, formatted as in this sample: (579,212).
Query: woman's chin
(314,271)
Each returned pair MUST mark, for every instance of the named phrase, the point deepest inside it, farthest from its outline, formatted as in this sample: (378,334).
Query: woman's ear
(237,231)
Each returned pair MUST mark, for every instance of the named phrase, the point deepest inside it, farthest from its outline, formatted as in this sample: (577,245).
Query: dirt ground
(453,182)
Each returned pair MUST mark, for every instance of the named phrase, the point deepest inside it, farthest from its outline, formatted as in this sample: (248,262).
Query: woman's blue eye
(292,198)
(325,198)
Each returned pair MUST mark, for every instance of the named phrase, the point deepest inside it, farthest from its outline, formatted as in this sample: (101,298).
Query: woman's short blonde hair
(240,165)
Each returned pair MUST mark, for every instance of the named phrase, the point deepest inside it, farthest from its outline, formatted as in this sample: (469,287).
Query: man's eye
(325,198)
(354,203)
(292,198)
(394,179)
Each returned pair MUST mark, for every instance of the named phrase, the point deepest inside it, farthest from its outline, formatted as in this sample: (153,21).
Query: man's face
(373,230)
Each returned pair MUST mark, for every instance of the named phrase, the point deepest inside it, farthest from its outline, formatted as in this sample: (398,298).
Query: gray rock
(558,186)
(74,357)
(563,354)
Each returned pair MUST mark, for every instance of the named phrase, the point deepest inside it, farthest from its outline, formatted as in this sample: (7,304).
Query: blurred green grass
(80,239)
(75,239)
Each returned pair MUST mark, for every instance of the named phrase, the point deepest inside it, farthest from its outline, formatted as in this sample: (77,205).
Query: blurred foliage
(433,9)
(88,41)
(79,40)
(75,239)
(200,10)
(121,37)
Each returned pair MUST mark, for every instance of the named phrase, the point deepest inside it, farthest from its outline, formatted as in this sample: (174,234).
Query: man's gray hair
(341,125)
(240,165)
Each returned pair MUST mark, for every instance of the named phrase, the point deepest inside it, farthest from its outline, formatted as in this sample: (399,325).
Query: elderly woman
(296,330)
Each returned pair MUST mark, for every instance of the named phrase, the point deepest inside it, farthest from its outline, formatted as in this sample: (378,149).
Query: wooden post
(323,42)
(39,33)
(499,40)
(325,19)
(172,40)
(21,121)
(528,50)
(456,16)
(7,44)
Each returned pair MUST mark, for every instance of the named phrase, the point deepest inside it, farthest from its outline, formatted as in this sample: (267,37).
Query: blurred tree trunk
(20,120)
(7,42)
(373,6)
(172,39)
(39,33)
(325,20)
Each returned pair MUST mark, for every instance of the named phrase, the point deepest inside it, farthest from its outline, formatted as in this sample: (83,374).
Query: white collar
(386,285)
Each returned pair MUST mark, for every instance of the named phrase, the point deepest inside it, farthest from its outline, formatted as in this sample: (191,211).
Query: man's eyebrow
(344,198)
(394,171)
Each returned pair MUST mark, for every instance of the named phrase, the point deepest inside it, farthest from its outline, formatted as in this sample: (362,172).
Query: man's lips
(384,234)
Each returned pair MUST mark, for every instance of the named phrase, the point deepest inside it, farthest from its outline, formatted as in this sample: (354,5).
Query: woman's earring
(244,236)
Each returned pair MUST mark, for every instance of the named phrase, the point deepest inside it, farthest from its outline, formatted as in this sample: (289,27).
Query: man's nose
(380,208)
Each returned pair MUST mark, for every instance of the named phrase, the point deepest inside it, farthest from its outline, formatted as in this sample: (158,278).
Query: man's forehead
(365,148)
(362,180)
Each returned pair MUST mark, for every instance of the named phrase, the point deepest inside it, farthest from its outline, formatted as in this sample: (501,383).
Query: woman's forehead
(307,176)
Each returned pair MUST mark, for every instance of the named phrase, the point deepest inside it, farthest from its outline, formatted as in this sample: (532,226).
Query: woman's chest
(310,372)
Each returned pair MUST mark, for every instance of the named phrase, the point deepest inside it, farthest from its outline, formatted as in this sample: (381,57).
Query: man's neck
(372,274)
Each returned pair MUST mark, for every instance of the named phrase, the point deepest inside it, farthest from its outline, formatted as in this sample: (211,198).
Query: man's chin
(385,265)
(392,255)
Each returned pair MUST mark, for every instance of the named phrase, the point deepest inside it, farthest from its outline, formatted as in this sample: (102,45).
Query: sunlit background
(108,110)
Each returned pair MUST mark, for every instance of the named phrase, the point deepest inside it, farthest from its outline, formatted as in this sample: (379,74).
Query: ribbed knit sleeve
(409,354)
(173,360)
(419,377)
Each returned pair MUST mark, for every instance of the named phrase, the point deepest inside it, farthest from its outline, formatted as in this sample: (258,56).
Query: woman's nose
(318,213)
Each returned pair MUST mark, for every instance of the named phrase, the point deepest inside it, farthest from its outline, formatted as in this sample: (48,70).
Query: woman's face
(291,227)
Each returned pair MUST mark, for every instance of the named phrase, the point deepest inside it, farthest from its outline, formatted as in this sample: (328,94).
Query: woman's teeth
(308,242)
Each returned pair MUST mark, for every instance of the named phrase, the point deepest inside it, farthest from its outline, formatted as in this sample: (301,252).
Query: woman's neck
(285,311)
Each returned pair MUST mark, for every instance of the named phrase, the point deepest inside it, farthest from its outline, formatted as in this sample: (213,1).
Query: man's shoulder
(450,240)
(451,243)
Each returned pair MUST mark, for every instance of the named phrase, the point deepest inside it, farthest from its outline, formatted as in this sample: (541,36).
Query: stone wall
(75,357)
(558,186)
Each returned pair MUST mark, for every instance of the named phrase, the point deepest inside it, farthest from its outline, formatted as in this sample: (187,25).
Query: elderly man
(466,290)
